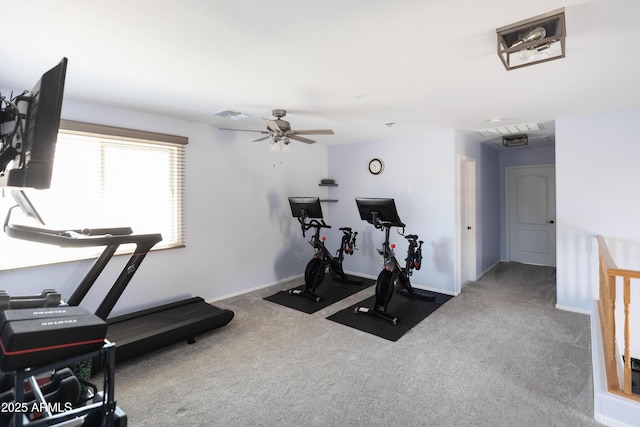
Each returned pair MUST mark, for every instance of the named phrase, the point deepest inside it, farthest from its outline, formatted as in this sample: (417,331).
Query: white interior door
(467,218)
(531,210)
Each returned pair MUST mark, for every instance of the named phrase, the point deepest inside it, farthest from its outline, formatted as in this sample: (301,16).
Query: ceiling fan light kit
(533,41)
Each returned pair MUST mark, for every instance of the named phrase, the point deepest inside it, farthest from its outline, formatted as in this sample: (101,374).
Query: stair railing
(609,276)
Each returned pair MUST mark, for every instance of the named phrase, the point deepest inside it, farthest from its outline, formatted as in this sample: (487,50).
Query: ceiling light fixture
(280,144)
(533,41)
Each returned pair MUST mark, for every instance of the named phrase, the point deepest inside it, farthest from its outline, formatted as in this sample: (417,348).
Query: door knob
(550,222)
(468,227)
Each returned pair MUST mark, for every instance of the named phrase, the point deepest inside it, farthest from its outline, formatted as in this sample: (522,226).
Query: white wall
(597,176)
(239,230)
(419,173)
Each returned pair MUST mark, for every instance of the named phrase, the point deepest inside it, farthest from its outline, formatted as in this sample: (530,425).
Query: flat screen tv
(29,131)
(381,210)
(305,207)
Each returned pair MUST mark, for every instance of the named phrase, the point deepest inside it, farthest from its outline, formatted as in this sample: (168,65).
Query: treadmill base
(144,331)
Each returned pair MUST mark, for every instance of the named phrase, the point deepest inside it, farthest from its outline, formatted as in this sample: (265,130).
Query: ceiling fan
(280,130)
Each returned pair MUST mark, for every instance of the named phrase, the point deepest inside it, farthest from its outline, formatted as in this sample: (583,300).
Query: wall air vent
(515,140)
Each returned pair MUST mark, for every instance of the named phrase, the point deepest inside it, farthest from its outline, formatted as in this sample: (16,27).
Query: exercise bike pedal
(302,293)
(377,313)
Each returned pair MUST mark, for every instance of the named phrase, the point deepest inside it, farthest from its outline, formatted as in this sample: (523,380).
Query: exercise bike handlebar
(316,223)
(379,224)
(313,223)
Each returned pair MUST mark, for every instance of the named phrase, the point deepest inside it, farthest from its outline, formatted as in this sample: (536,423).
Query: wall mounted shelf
(328,184)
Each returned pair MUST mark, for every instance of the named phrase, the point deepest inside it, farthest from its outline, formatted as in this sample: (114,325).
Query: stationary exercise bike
(309,214)
(383,215)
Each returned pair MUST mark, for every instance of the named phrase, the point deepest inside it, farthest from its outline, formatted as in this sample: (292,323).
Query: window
(103,177)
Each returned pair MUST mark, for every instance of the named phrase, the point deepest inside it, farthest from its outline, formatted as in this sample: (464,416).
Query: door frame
(466,189)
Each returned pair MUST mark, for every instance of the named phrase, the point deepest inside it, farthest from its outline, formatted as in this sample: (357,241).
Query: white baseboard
(246,291)
(573,309)
(489,269)
(440,291)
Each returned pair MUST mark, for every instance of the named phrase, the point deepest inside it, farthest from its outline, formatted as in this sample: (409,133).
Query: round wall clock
(376,166)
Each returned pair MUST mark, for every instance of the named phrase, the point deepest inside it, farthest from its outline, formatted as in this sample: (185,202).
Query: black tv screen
(28,151)
(384,209)
(305,207)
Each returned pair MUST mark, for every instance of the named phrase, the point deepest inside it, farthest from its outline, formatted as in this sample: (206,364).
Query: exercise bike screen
(308,207)
(385,208)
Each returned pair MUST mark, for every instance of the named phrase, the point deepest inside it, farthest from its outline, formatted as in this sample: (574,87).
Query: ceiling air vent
(229,114)
(515,140)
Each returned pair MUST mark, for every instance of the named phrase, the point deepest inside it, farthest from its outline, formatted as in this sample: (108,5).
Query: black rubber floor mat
(409,311)
(331,291)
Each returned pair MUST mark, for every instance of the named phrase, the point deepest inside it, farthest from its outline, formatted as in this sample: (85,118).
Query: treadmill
(139,332)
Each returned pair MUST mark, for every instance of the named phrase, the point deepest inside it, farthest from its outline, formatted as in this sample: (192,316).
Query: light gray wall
(239,230)
(419,173)
(597,176)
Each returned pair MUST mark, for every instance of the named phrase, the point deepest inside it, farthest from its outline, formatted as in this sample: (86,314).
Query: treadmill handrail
(110,238)
(80,238)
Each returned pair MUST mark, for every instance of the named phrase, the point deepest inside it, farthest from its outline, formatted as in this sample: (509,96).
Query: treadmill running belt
(141,332)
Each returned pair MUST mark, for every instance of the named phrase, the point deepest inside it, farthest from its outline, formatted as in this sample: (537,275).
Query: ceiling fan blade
(313,132)
(301,139)
(245,130)
(271,124)
(262,139)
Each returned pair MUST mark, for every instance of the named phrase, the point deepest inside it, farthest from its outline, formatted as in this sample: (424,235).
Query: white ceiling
(348,65)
